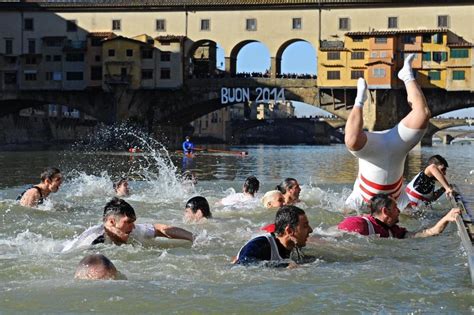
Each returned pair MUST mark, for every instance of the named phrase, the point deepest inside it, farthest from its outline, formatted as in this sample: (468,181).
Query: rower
(188,146)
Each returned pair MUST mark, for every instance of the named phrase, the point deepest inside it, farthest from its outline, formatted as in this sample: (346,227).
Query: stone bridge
(437,124)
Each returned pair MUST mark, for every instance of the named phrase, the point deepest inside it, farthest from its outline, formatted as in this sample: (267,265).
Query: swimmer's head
(121,188)
(119,218)
(440,162)
(196,209)
(52,177)
(291,222)
(290,189)
(384,208)
(251,185)
(273,199)
(96,267)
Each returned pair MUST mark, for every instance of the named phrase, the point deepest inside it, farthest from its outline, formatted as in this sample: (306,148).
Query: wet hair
(287,216)
(251,185)
(269,195)
(118,207)
(49,173)
(437,160)
(199,203)
(120,182)
(95,266)
(378,202)
(286,184)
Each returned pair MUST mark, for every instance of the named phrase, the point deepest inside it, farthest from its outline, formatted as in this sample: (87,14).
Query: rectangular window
(9,78)
(8,46)
(116,25)
(96,41)
(438,38)
(378,73)
(96,73)
(57,58)
(147,74)
(251,24)
(75,57)
(344,24)
(427,38)
(434,75)
(111,52)
(147,53)
(357,39)
(129,52)
(334,75)
(380,40)
(31,46)
(30,76)
(459,75)
(374,54)
(28,24)
(205,25)
(74,76)
(48,58)
(30,60)
(439,56)
(97,58)
(383,54)
(49,76)
(355,74)
(357,55)
(426,56)
(392,22)
(71,26)
(165,73)
(408,39)
(296,24)
(459,53)
(57,76)
(443,20)
(165,56)
(161,25)
(334,55)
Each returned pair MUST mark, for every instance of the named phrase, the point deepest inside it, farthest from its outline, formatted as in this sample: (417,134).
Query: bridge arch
(237,49)
(202,59)
(277,59)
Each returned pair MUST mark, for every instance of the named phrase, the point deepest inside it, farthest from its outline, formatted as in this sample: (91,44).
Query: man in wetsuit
(119,227)
(51,180)
(422,188)
(188,146)
(382,154)
(291,230)
(383,219)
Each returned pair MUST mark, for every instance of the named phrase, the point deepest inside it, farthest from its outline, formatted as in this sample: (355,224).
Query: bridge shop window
(409,39)
(165,56)
(334,75)
(147,74)
(205,25)
(459,75)
(30,75)
(356,74)
(426,56)
(147,53)
(8,46)
(434,75)
(344,24)
(357,55)
(129,52)
(75,76)
(378,73)
(427,38)
(71,26)
(296,24)
(251,24)
(440,56)
(380,40)
(334,55)
(392,22)
(75,57)
(116,25)
(111,52)
(96,73)
(459,53)
(29,24)
(165,73)
(161,25)
(443,20)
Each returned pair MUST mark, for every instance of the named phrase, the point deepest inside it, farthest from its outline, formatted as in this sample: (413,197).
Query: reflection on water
(351,273)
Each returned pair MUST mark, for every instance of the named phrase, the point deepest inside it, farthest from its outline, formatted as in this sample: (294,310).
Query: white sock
(361,93)
(406,73)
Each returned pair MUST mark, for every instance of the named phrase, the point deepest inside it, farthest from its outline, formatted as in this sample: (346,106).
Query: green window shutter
(459,75)
(459,53)
(434,75)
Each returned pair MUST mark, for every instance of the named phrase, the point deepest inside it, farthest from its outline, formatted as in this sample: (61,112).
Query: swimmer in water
(421,190)
(290,189)
(383,220)
(121,188)
(119,227)
(273,199)
(51,180)
(96,267)
(249,189)
(292,230)
(382,154)
(197,210)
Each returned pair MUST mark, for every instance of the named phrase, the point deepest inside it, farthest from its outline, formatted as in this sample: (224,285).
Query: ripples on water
(350,274)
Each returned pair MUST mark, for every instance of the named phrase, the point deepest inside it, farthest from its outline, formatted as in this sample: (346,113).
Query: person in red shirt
(383,219)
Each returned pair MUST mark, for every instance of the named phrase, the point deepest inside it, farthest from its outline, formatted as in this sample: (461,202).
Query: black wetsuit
(40,200)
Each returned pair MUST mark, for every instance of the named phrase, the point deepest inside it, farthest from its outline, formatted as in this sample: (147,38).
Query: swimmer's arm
(432,170)
(438,227)
(30,198)
(162,230)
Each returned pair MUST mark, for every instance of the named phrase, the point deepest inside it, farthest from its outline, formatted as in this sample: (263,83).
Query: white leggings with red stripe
(381,165)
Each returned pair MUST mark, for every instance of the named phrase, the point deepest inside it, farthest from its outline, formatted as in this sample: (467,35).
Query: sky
(300,57)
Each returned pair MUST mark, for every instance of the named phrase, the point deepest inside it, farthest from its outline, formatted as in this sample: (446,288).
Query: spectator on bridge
(290,189)
(51,180)
(188,146)
(382,154)
(249,189)
(422,188)
(383,220)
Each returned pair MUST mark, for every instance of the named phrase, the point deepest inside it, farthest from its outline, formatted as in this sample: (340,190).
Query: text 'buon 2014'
(259,94)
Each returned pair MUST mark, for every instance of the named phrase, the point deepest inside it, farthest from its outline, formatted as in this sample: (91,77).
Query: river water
(351,273)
